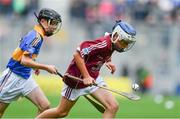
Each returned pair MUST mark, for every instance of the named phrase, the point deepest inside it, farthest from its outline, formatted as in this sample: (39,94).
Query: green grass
(145,108)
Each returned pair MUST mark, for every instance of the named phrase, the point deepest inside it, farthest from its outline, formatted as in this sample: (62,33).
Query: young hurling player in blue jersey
(17,80)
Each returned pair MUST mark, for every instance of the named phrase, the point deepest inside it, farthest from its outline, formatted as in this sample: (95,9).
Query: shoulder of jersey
(36,40)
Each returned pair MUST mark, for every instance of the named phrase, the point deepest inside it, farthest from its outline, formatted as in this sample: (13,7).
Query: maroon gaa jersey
(95,53)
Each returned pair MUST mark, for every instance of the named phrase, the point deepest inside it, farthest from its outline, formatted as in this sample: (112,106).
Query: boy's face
(120,44)
(50,26)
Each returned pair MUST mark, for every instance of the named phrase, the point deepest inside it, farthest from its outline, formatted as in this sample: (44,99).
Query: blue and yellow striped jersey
(30,45)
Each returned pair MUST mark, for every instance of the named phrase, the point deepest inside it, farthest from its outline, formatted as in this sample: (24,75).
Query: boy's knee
(61,113)
(44,107)
(113,107)
(64,114)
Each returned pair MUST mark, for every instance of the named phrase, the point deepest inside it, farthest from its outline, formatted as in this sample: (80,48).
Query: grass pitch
(145,108)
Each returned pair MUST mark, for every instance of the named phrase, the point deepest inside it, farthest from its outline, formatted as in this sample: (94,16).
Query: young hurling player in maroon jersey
(86,64)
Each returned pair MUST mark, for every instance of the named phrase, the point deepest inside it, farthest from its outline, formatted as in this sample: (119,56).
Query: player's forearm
(28,62)
(81,65)
(34,65)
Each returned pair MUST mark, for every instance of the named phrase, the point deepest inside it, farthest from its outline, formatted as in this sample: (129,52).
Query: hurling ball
(135,86)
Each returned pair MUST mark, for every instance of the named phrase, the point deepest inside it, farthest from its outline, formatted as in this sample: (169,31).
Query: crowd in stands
(18,7)
(95,12)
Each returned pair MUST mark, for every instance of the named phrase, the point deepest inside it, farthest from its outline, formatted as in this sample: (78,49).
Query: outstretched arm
(29,62)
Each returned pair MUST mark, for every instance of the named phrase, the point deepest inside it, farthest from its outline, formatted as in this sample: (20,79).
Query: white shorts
(73,94)
(13,86)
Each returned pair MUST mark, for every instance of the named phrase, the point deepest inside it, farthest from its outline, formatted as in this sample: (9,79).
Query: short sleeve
(83,49)
(91,47)
(28,44)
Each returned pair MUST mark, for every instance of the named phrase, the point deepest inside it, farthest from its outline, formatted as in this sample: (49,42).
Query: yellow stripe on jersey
(34,56)
(39,29)
(25,53)
(17,54)
(35,41)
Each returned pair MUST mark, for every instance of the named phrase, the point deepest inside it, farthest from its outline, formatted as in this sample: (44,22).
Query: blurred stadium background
(153,63)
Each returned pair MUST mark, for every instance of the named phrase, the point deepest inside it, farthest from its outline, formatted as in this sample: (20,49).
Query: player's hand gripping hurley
(130,96)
